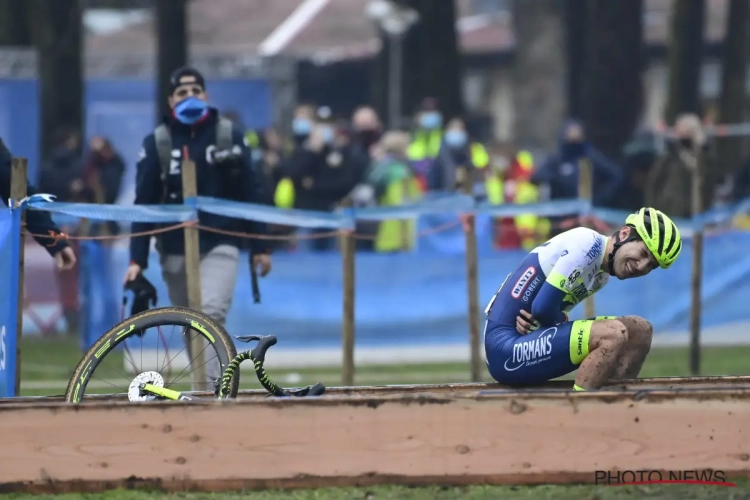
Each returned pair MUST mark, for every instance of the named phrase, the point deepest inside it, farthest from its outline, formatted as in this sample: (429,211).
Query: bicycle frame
(257,356)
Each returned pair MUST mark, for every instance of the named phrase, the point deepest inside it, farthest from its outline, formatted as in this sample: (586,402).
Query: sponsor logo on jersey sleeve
(530,290)
(595,251)
(522,282)
(574,276)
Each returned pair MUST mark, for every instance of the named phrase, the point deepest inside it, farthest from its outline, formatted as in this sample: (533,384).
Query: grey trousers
(218,279)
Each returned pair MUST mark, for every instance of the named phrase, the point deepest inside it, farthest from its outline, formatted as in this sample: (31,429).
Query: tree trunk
(685,58)
(577,48)
(732,102)
(57,32)
(539,73)
(431,66)
(15,23)
(615,91)
(171,33)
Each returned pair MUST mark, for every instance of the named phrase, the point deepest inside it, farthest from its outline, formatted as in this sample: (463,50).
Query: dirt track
(460,434)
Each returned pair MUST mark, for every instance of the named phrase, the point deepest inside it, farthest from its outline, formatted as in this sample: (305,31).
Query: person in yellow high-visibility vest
(394,184)
(427,137)
(512,185)
(526,192)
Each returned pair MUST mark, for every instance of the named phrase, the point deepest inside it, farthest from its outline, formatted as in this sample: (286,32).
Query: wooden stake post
(193,275)
(586,191)
(696,280)
(348,252)
(19,191)
(466,181)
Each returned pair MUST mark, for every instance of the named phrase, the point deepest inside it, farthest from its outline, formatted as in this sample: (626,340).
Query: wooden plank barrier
(562,385)
(558,437)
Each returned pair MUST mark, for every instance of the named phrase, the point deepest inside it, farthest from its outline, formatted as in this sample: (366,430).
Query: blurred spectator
(367,131)
(426,138)
(104,171)
(41,225)
(639,156)
(508,181)
(560,171)
(741,182)
(62,172)
(367,128)
(669,184)
(323,171)
(457,151)
(393,183)
(62,175)
(302,124)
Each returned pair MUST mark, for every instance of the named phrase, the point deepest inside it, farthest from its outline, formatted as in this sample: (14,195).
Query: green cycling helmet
(659,233)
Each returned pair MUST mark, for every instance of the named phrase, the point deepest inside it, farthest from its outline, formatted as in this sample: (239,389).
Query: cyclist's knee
(610,334)
(640,332)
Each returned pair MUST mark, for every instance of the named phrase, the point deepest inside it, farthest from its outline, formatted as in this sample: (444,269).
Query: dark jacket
(334,172)
(58,173)
(237,181)
(37,221)
(560,172)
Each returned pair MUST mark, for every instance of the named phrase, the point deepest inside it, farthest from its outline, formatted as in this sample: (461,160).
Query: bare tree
(431,61)
(171,32)
(685,57)
(14,23)
(57,33)
(615,90)
(733,99)
(539,72)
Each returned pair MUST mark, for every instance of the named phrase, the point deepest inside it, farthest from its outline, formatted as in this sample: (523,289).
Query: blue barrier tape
(344,219)
(272,215)
(134,213)
(544,209)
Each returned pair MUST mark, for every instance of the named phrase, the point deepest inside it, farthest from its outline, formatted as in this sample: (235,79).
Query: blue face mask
(327,133)
(190,110)
(431,120)
(301,126)
(455,138)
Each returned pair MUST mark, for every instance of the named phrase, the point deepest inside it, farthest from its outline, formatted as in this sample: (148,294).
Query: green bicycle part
(163,392)
(198,322)
(234,365)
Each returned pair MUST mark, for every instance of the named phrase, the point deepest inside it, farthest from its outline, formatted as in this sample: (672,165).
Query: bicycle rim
(114,353)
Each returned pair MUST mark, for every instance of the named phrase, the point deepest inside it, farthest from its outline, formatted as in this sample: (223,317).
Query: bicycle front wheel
(163,358)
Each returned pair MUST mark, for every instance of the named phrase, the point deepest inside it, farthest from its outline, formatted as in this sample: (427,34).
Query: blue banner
(10,231)
(419,299)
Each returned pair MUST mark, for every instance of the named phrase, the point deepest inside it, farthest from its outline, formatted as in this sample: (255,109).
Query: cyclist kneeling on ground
(528,338)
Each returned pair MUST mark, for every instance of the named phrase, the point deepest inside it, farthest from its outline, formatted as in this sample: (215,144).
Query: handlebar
(258,355)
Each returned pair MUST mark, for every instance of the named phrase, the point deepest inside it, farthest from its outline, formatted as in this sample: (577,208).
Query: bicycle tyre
(173,316)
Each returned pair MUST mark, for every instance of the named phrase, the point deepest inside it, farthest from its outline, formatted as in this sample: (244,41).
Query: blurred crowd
(328,160)
(325,161)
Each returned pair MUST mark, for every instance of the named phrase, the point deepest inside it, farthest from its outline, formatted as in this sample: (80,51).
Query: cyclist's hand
(525,323)
(132,273)
(262,262)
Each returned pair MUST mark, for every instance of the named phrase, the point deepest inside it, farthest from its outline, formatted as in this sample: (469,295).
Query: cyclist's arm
(546,306)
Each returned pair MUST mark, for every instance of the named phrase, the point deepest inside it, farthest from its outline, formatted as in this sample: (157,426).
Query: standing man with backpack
(224,169)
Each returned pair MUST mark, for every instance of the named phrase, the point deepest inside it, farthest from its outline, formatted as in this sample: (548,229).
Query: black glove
(143,294)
